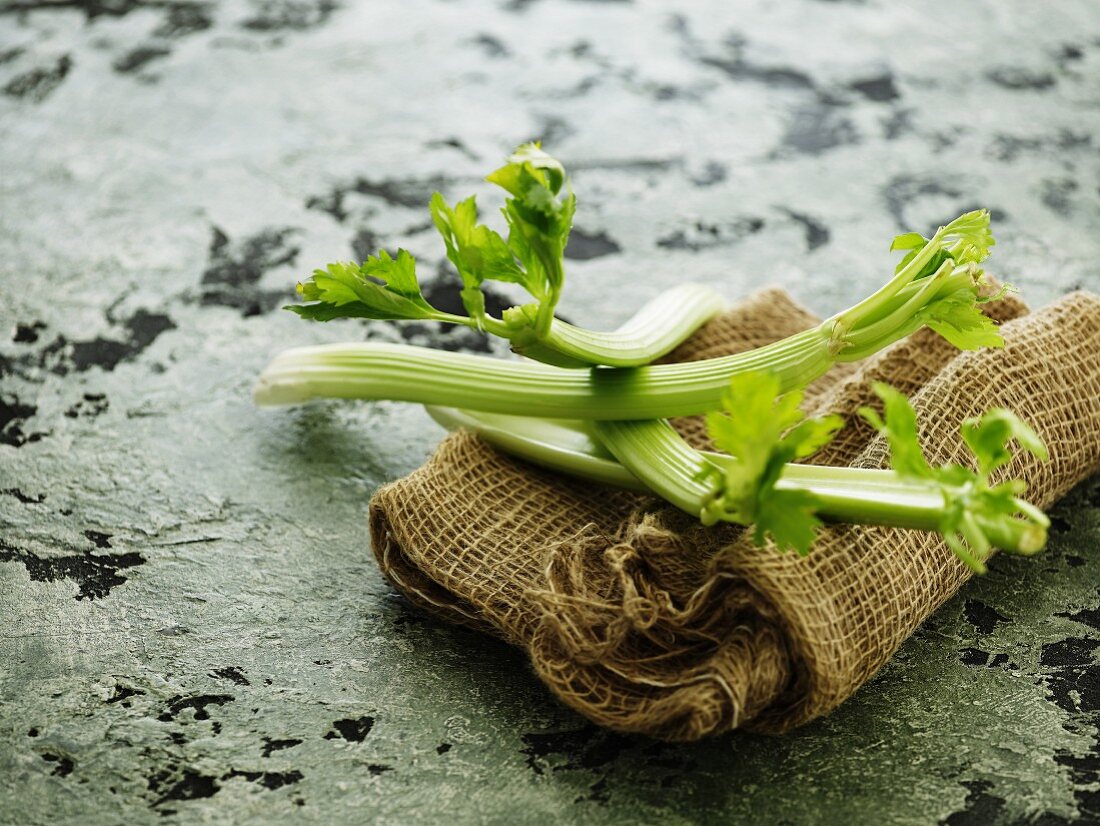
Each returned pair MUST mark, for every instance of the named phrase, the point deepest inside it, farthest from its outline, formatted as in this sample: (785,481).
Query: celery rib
(669,467)
(425,376)
(652,332)
(415,374)
(556,444)
(570,447)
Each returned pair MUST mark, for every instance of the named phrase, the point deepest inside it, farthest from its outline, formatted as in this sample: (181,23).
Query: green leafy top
(381,287)
(937,284)
(764,429)
(963,243)
(977,513)
(966,239)
(958,319)
(539,215)
(477,252)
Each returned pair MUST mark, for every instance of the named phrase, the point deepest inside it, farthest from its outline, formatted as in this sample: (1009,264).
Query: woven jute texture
(644,621)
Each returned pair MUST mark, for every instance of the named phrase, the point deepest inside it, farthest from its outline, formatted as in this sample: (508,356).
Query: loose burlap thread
(644,621)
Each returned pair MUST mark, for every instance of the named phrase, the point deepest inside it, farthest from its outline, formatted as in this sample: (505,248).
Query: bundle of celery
(589,403)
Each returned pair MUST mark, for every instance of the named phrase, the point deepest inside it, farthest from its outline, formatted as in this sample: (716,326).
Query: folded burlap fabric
(644,621)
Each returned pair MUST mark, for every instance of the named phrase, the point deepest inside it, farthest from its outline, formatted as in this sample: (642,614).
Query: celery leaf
(988,438)
(900,429)
(958,319)
(764,429)
(477,252)
(540,217)
(976,512)
(381,288)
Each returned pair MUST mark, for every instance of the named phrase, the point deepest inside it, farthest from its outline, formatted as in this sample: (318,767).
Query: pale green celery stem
(570,446)
(925,288)
(652,332)
(401,373)
(894,325)
(869,306)
(863,495)
(670,468)
(541,442)
(884,307)
(417,374)
(556,278)
(675,314)
(861,345)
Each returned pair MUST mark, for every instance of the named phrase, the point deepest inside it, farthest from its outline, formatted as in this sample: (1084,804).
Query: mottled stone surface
(193,628)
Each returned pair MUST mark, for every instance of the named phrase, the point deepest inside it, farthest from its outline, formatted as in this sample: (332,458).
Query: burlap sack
(643,621)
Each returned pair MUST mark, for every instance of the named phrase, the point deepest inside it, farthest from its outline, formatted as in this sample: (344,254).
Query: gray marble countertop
(193,627)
